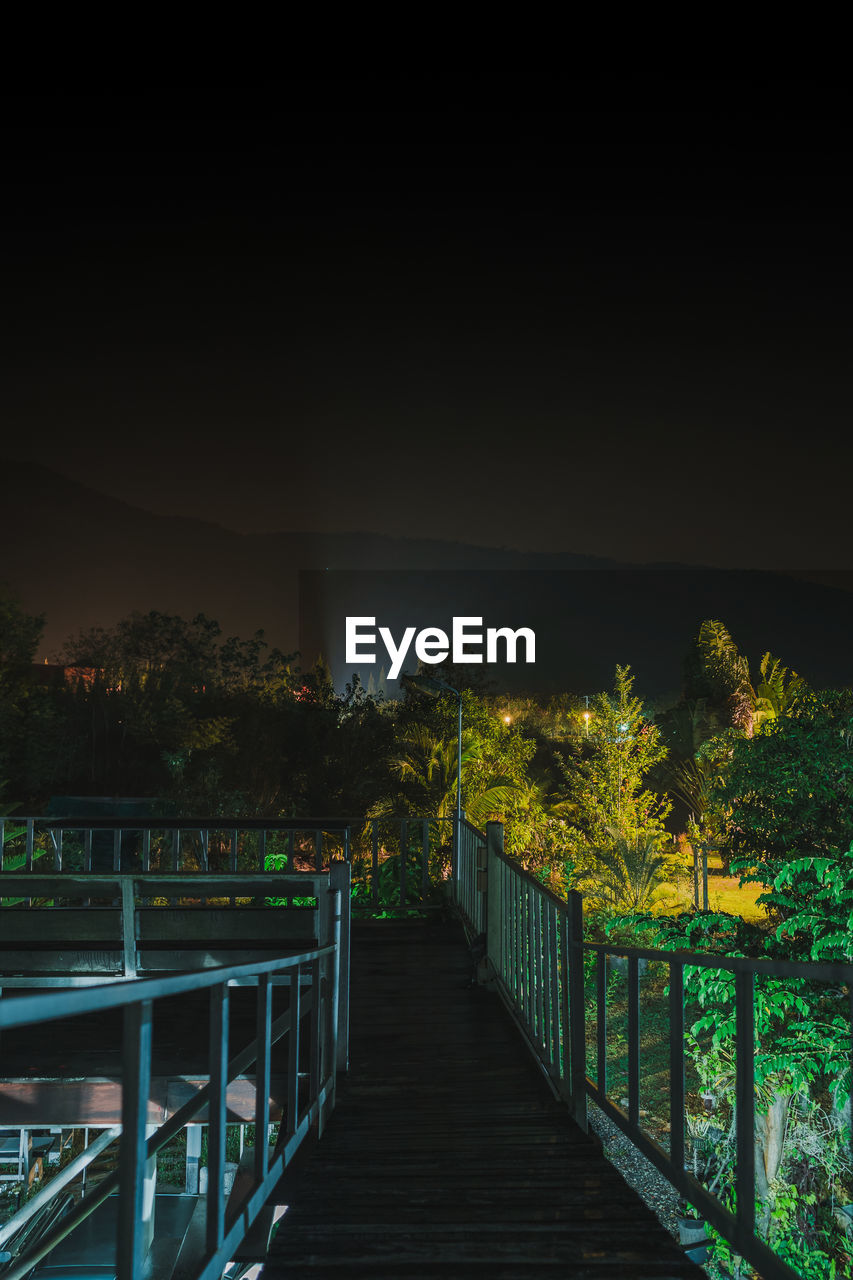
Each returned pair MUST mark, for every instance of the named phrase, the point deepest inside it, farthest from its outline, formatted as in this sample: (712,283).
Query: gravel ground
(638,1172)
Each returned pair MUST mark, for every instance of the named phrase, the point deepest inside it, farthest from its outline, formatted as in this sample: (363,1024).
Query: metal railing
(535,954)
(172,844)
(315,995)
(470,870)
(399,864)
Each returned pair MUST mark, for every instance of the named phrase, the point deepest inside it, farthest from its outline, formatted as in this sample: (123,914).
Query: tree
(26,711)
(779,690)
(787,801)
(625,875)
(714,670)
(685,774)
(606,780)
(427,765)
(802,1054)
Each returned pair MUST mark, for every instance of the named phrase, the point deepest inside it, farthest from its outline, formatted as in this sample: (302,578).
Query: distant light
(507,719)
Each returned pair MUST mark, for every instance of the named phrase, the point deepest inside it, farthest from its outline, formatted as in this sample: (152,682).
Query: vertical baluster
(318,850)
(28,852)
(262,850)
(290,835)
(538,976)
(314,1063)
(146,850)
(529,959)
(676,1064)
(136,1080)
(262,1075)
(554,953)
(601,1005)
(544,912)
(574,1006)
(850,1003)
(511,968)
(204,842)
(514,895)
(522,947)
(633,1040)
(87,859)
(542,959)
(117,849)
(2,840)
(175,840)
(745,1101)
(232,861)
(57,850)
(217,1117)
(425,881)
(292,1116)
(374,862)
(404,854)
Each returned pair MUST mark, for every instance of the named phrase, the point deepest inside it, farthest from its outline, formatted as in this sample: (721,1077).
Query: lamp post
(434,688)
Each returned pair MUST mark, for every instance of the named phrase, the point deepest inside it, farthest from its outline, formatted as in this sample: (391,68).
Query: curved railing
(315,998)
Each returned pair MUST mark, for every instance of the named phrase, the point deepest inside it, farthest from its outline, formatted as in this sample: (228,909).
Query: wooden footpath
(447,1155)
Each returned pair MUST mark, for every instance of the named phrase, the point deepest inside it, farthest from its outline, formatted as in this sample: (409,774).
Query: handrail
(400,864)
(318,992)
(534,951)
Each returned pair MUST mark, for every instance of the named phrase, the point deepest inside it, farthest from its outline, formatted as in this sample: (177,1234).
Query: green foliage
(624,876)
(778,692)
(802,1055)
(714,671)
(605,781)
(495,758)
(788,801)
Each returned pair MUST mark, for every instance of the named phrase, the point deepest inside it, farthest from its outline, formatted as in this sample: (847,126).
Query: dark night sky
(607,319)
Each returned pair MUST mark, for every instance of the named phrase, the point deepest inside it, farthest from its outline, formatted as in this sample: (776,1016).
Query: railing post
(263,1025)
(340,882)
(217,1117)
(745,1104)
(128,925)
(494,899)
(676,1063)
(136,1076)
(577,1011)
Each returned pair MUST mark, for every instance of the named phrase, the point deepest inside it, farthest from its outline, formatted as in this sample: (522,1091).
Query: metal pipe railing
(319,971)
(535,954)
(399,864)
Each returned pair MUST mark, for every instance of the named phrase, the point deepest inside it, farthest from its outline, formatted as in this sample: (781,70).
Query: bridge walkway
(447,1155)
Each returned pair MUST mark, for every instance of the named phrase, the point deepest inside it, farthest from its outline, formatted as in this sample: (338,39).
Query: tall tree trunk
(769,1140)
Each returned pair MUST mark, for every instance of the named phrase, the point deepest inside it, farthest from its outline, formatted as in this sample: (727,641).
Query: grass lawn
(724,894)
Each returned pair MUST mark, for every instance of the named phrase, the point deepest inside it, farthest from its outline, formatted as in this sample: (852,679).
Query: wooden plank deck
(447,1155)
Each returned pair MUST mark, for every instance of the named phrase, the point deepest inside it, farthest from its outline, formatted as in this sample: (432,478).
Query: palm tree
(685,774)
(426,763)
(778,691)
(717,671)
(624,875)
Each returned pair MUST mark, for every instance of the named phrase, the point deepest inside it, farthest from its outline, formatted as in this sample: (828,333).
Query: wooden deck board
(447,1155)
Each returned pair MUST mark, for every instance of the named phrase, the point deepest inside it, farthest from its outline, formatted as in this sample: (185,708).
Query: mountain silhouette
(85,559)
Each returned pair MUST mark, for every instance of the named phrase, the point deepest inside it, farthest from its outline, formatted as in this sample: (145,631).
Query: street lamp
(434,688)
